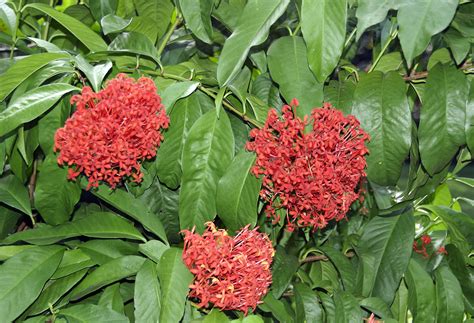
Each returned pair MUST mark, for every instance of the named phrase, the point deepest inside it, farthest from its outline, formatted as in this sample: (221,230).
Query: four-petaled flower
(232,273)
(112,131)
(313,175)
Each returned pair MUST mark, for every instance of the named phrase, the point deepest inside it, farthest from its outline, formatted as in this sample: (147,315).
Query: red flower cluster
(233,273)
(112,131)
(312,175)
(425,241)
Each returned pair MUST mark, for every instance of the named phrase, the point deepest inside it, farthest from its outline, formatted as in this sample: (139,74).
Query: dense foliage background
(403,68)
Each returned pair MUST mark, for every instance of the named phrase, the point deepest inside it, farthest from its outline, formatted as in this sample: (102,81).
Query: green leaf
(102,8)
(463,274)
(95,74)
(449,302)
(112,298)
(113,24)
(288,65)
(8,220)
(277,308)
(470,118)
(215,316)
(169,158)
(73,261)
(87,313)
(7,18)
(147,299)
(419,20)
(207,153)
(23,69)
(106,274)
(53,292)
(458,44)
(283,268)
(14,194)
(377,306)
(177,91)
(384,250)
(197,15)
(97,225)
(174,279)
(31,105)
(50,122)
(340,94)
(238,193)
(323,23)
(158,11)
(134,43)
(153,249)
(103,251)
(131,206)
(23,278)
(381,105)
(307,304)
(251,30)
(347,308)
(442,117)
(82,32)
(343,266)
(371,12)
(55,195)
(421,293)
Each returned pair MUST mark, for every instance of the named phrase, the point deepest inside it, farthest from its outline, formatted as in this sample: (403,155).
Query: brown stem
(350,254)
(424,74)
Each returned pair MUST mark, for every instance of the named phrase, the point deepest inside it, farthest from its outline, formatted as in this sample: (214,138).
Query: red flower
(233,273)
(442,250)
(112,131)
(312,175)
(425,240)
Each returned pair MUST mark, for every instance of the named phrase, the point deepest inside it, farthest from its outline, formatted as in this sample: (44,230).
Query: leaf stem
(384,48)
(168,34)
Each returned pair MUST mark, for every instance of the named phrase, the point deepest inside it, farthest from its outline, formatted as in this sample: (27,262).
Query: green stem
(48,21)
(17,24)
(349,39)
(168,34)
(379,56)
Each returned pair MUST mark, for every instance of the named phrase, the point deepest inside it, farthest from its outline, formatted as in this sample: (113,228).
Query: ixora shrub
(236,161)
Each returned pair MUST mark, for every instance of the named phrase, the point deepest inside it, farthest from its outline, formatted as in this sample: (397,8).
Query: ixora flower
(112,131)
(232,273)
(313,175)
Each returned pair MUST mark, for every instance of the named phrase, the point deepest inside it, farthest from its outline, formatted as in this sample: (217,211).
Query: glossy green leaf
(177,91)
(384,250)
(31,105)
(134,43)
(307,304)
(7,18)
(449,302)
(101,251)
(97,225)
(174,279)
(102,8)
(419,20)
(55,195)
(106,274)
(8,221)
(347,308)
(112,298)
(251,30)
(216,316)
(23,278)
(470,118)
(283,268)
(147,299)
(14,194)
(50,122)
(288,64)
(207,153)
(53,292)
(95,74)
(158,11)
(238,193)
(197,15)
(277,308)
(421,293)
(381,105)
(463,274)
(458,44)
(340,94)
(82,32)
(113,24)
(442,117)
(323,23)
(86,313)
(377,306)
(23,69)
(73,261)
(131,206)
(153,249)
(343,266)
(169,159)
(371,12)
